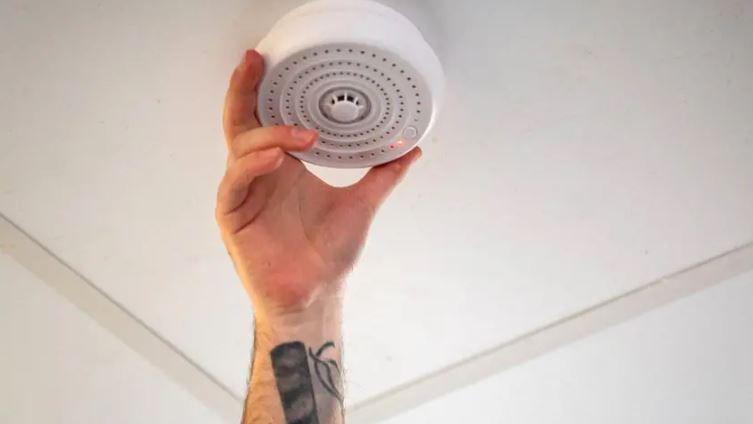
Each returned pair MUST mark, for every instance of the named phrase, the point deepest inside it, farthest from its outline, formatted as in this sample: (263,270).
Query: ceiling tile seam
(547,338)
(118,320)
(40,261)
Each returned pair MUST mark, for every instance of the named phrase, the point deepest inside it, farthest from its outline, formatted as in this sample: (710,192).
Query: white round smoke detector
(359,73)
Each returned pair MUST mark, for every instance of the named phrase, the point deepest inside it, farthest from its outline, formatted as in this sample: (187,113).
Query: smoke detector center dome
(344,106)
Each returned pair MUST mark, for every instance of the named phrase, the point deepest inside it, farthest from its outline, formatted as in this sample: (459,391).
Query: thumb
(378,183)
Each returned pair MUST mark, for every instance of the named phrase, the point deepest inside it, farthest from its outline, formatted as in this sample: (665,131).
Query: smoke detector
(356,71)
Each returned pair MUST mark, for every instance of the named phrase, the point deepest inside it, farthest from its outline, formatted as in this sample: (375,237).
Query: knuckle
(219,216)
(237,145)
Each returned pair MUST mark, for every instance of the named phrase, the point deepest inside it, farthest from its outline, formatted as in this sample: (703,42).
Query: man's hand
(292,238)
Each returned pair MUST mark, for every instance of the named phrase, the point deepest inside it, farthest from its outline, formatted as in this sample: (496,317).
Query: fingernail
(416,156)
(303,135)
(246,58)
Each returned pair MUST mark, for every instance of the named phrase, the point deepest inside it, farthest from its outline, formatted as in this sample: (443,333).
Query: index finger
(240,100)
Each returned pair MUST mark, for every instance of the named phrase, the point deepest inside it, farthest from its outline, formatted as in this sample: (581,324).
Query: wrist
(301,350)
(320,319)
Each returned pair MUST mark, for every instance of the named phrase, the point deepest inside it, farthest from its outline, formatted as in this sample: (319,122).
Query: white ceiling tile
(59,366)
(688,362)
(585,149)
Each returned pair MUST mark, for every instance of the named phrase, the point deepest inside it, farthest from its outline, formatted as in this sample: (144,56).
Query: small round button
(410,132)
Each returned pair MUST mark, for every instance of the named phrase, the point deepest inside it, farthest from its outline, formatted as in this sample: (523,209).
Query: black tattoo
(324,371)
(291,369)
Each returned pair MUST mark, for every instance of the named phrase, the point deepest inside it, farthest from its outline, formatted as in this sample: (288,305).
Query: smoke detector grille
(368,105)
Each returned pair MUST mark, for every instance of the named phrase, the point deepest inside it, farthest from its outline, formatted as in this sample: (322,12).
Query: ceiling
(62,367)
(585,149)
(630,373)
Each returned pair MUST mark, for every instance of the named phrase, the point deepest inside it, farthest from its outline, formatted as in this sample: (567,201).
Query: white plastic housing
(359,73)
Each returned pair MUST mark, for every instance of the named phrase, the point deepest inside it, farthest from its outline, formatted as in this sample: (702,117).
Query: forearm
(297,237)
(296,376)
